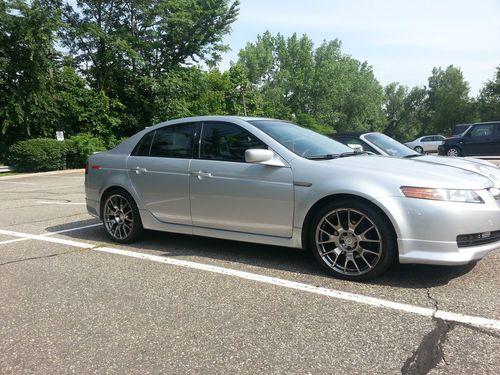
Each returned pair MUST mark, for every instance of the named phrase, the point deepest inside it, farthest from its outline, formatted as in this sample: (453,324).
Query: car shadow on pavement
(255,255)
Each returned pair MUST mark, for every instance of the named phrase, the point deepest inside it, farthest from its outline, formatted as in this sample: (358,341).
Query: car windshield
(390,146)
(301,141)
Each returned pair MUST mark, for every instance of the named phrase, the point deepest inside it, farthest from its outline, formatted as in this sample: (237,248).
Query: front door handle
(201,175)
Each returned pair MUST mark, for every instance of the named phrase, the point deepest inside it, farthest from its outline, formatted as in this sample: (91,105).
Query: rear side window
(482,130)
(173,141)
(223,141)
(144,145)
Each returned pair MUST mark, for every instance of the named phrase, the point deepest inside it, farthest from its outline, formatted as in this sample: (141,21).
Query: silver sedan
(273,182)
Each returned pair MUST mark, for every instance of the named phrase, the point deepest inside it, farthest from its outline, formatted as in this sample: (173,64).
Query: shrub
(39,154)
(79,147)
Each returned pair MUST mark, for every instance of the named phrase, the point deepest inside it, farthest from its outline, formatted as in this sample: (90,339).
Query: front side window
(228,142)
(173,141)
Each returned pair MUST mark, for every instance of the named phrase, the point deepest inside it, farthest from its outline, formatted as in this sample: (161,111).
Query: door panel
(243,197)
(159,171)
(163,186)
(479,140)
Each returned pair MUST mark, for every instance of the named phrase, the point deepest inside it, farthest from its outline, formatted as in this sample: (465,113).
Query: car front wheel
(120,217)
(453,151)
(352,240)
(419,149)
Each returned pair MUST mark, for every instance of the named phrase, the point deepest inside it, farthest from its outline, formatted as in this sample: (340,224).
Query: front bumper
(428,230)
(441,252)
(441,150)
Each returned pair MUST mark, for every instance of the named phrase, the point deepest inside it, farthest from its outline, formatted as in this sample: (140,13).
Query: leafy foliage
(38,154)
(489,99)
(80,147)
(448,98)
(100,70)
(321,85)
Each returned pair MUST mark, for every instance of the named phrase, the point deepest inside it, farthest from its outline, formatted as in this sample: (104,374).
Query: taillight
(86,168)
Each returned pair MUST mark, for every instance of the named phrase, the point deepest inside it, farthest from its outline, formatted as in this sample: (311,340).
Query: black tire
(419,149)
(351,252)
(454,151)
(120,216)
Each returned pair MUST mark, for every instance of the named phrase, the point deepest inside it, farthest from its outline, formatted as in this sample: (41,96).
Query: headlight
(496,193)
(452,195)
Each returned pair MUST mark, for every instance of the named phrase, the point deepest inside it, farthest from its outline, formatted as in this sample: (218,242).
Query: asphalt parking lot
(73,302)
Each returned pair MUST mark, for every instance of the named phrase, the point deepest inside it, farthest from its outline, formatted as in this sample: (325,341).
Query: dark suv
(480,139)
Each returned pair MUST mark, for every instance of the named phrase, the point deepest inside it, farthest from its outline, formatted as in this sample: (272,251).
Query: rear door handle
(201,174)
(139,170)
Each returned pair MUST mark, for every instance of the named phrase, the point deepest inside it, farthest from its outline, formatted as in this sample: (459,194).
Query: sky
(402,40)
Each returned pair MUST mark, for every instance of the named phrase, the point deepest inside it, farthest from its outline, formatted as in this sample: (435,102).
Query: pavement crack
(40,257)
(430,351)
(434,302)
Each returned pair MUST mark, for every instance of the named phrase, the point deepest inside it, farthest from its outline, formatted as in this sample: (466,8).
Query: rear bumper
(92,207)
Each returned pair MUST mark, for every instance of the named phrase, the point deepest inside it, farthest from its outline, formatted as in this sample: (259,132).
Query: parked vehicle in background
(480,139)
(381,144)
(427,143)
(273,182)
(459,129)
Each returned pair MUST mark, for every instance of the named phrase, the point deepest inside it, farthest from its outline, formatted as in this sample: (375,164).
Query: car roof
(347,134)
(486,122)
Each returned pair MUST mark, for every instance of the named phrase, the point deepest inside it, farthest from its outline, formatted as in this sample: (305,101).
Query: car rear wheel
(419,149)
(120,217)
(352,240)
(454,151)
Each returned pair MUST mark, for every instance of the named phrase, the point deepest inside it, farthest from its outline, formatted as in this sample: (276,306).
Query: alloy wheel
(348,242)
(118,217)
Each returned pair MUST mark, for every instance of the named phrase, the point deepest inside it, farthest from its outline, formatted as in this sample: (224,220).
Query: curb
(42,174)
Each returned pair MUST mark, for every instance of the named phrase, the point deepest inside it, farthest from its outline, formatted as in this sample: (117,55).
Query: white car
(427,143)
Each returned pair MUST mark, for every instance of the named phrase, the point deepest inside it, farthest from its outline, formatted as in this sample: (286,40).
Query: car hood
(483,167)
(409,172)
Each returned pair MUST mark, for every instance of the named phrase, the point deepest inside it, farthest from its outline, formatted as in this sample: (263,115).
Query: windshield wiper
(322,157)
(336,156)
(352,153)
(412,156)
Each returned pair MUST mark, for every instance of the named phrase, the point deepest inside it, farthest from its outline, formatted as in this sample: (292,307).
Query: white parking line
(17,183)
(346,296)
(50,234)
(55,202)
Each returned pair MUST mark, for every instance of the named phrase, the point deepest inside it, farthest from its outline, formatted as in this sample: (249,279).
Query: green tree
(320,88)
(126,48)
(488,101)
(27,69)
(448,100)
(405,111)
(347,96)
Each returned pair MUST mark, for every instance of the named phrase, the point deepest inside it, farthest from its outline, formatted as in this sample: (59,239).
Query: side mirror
(356,146)
(260,156)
